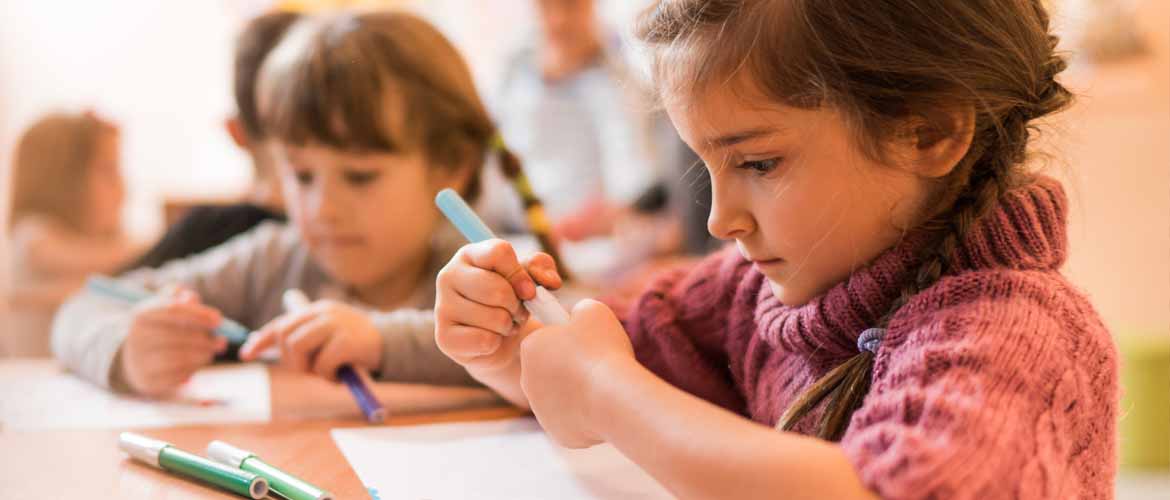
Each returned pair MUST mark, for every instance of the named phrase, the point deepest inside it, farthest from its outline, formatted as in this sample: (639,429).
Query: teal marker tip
(462,216)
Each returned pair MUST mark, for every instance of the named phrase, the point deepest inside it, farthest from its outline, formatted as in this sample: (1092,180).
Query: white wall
(161,69)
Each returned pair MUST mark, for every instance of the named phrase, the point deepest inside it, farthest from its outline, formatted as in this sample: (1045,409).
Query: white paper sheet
(504,459)
(40,395)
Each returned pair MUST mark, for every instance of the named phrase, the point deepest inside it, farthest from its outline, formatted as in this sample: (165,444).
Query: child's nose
(326,204)
(729,219)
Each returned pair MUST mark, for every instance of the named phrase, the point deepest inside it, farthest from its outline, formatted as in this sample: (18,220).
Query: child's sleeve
(89,329)
(1003,397)
(87,335)
(679,324)
(409,351)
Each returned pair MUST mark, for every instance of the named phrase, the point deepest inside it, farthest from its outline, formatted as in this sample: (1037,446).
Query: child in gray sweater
(368,117)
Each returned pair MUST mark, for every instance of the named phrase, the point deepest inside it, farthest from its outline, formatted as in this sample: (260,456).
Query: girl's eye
(358,178)
(304,177)
(761,166)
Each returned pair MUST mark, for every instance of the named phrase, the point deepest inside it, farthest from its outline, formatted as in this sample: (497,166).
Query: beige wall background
(1114,149)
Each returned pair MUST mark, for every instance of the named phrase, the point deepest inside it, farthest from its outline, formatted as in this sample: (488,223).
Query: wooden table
(69,464)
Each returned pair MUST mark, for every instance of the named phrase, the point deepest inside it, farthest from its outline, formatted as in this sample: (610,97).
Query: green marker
(165,456)
(283,483)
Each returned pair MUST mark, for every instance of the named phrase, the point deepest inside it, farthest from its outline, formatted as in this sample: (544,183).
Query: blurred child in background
(65,220)
(369,116)
(569,108)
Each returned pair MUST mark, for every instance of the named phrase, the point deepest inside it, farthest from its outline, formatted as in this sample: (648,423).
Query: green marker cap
(283,483)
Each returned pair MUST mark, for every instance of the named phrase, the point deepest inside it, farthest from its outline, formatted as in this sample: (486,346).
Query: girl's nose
(729,217)
(326,203)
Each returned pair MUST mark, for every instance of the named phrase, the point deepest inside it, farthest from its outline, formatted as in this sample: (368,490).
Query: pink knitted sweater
(1000,381)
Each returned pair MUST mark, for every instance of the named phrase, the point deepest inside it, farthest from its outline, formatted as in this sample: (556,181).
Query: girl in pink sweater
(891,321)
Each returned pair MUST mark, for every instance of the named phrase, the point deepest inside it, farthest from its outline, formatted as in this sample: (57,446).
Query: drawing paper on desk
(40,395)
(504,459)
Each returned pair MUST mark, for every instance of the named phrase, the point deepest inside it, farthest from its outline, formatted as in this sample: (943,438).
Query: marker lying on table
(165,456)
(234,332)
(284,484)
(295,300)
(544,306)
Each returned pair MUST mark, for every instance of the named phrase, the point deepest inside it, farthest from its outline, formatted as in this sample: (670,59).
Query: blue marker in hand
(295,300)
(234,332)
(544,306)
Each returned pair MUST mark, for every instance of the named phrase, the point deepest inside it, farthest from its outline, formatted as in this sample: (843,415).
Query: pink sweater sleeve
(678,325)
(1006,396)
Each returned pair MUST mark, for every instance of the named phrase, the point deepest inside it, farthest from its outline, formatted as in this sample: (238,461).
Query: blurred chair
(1145,403)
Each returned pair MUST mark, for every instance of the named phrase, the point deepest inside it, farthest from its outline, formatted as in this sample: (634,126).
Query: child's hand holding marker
(479,321)
(171,336)
(479,316)
(482,323)
(318,337)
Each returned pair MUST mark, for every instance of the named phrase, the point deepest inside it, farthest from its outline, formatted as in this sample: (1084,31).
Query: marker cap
(227,454)
(141,447)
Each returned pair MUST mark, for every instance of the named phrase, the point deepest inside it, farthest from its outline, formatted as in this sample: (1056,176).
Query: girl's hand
(319,339)
(564,365)
(479,318)
(170,338)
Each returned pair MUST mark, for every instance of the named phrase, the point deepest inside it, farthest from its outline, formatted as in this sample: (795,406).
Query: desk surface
(72,464)
(87,463)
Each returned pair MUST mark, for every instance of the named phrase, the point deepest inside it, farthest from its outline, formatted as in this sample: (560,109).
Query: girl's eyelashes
(304,177)
(761,166)
(360,177)
(356,178)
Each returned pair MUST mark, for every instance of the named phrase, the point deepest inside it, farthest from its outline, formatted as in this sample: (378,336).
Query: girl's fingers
(465,343)
(499,257)
(333,354)
(181,352)
(473,314)
(257,342)
(284,325)
(168,375)
(182,339)
(543,269)
(193,360)
(488,289)
(171,378)
(303,343)
(274,333)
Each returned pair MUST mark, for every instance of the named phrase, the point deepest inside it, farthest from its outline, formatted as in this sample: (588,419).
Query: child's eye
(761,166)
(304,177)
(358,178)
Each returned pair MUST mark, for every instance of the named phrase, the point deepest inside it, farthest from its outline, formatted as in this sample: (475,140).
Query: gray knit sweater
(244,278)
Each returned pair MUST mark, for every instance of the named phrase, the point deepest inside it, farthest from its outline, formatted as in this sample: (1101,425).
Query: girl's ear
(235,129)
(932,146)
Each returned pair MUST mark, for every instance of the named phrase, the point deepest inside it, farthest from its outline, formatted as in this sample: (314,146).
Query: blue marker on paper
(126,292)
(544,306)
(296,300)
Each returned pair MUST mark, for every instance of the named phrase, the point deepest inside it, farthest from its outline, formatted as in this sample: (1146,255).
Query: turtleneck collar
(1025,231)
